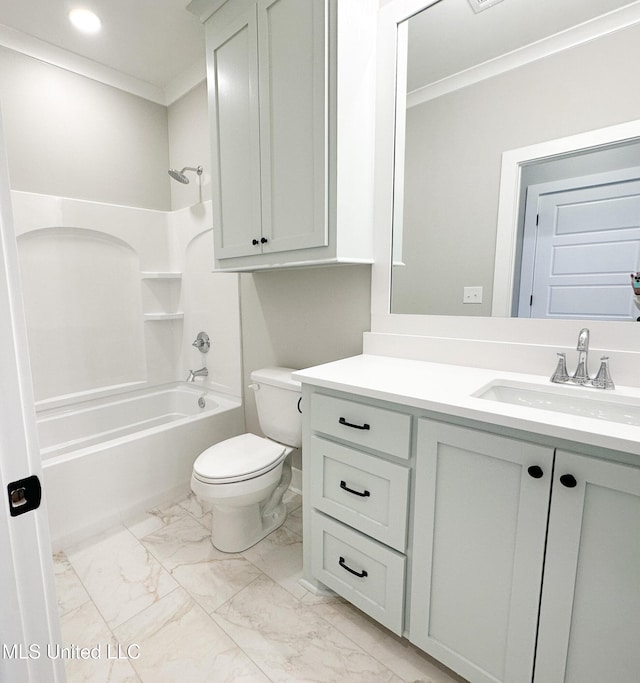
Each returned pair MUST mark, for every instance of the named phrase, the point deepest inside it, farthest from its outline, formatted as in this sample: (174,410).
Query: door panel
(590,633)
(478,550)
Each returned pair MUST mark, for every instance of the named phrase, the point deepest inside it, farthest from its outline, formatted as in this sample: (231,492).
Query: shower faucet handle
(202,342)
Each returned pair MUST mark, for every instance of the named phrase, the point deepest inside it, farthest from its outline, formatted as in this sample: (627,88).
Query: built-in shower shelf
(160,275)
(163,316)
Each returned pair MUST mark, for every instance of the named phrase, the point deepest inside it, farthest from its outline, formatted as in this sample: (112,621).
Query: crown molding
(577,35)
(56,56)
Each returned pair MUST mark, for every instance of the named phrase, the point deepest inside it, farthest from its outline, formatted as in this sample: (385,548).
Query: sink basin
(569,400)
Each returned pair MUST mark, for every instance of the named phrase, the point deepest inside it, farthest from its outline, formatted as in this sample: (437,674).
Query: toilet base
(236,529)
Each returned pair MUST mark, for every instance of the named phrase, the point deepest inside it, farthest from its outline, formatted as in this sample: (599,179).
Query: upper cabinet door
(232,73)
(292,49)
(590,610)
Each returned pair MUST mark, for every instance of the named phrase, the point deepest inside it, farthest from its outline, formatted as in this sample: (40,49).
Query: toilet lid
(236,459)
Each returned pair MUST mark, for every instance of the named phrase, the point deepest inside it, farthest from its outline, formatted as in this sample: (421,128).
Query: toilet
(245,477)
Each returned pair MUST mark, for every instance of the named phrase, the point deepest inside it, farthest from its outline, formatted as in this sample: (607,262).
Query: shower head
(181,177)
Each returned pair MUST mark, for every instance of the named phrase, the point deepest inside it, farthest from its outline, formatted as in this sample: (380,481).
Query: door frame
(506,260)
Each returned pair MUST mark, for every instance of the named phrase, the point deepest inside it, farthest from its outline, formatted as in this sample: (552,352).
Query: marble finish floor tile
(291,643)
(398,654)
(83,627)
(120,575)
(69,589)
(200,615)
(279,556)
(179,642)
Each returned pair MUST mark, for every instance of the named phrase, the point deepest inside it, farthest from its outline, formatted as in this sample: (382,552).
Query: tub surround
(501,539)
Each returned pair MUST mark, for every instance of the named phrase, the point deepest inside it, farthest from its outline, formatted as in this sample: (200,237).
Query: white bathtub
(107,458)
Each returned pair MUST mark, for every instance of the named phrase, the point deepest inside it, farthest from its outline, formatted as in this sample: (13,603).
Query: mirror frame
(609,335)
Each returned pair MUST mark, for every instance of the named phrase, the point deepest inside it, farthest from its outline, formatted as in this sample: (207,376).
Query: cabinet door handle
(263,240)
(568,480)
(360,575)
(363,494)
(342,421)
(255,242)
(536,471)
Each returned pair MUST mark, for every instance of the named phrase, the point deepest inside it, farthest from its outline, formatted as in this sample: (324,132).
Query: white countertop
(449,389)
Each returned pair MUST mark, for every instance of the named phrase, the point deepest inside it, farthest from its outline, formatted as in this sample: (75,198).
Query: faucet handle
(561,375)
(603,379)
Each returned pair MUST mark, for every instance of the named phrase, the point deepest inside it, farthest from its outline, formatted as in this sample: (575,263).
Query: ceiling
(154,48)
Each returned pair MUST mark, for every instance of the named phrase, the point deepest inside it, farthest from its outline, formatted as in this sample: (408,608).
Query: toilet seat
(237,459)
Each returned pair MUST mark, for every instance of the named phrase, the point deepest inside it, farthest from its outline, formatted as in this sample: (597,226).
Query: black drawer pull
(568,480)
(363,494)
(360,575)
(342,421)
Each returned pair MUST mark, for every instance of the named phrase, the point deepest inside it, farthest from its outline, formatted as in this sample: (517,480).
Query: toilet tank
(277,398)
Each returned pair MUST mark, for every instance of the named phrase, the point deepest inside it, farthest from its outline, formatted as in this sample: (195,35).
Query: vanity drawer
(361,424)
(366,573)
(366,492)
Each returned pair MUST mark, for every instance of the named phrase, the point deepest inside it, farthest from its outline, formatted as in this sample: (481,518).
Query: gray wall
(70,136)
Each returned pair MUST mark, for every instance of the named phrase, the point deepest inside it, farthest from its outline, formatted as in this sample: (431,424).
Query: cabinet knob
(568,480)
(255,242)
(263,240)
(536,471)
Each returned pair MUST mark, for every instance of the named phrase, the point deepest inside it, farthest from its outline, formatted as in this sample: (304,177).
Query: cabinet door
(480,520)
(590,610)
(292,55)
(232,73)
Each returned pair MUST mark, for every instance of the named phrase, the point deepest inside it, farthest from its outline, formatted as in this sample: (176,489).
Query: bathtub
(106,459)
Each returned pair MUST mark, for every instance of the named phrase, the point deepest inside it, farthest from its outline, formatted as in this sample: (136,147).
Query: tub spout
(203,372)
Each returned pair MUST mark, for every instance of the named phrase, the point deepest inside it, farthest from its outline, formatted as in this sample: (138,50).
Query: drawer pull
(360,575)
(363,494)
(342,421)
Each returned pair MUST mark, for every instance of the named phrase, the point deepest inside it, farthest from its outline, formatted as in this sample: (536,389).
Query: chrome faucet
(581,376)
(203,372)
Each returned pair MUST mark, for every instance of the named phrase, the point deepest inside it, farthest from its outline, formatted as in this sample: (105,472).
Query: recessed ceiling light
(85,20)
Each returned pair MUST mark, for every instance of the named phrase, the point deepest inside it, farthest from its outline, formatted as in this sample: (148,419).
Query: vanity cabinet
(482,567)
(356,481)
(291,100)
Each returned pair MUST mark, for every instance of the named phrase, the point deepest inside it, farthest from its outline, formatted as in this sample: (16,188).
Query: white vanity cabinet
(481,513)
(356,489)
(291,88)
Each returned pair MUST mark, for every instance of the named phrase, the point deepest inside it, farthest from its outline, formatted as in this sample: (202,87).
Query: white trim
(616,20)
(51,54)
(509,198)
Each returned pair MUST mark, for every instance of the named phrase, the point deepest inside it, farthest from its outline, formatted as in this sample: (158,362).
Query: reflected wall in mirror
(517,75)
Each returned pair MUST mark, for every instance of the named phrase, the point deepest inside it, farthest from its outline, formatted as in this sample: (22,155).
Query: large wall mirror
(517,160)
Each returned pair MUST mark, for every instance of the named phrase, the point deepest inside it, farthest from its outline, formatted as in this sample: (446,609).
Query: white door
(581,241)
(28,618)
(590,609)
(481,504)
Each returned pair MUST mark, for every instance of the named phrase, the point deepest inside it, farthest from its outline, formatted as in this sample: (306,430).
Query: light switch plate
(472,295)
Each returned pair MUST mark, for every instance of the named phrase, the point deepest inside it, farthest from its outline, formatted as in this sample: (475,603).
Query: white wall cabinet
(291,130)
